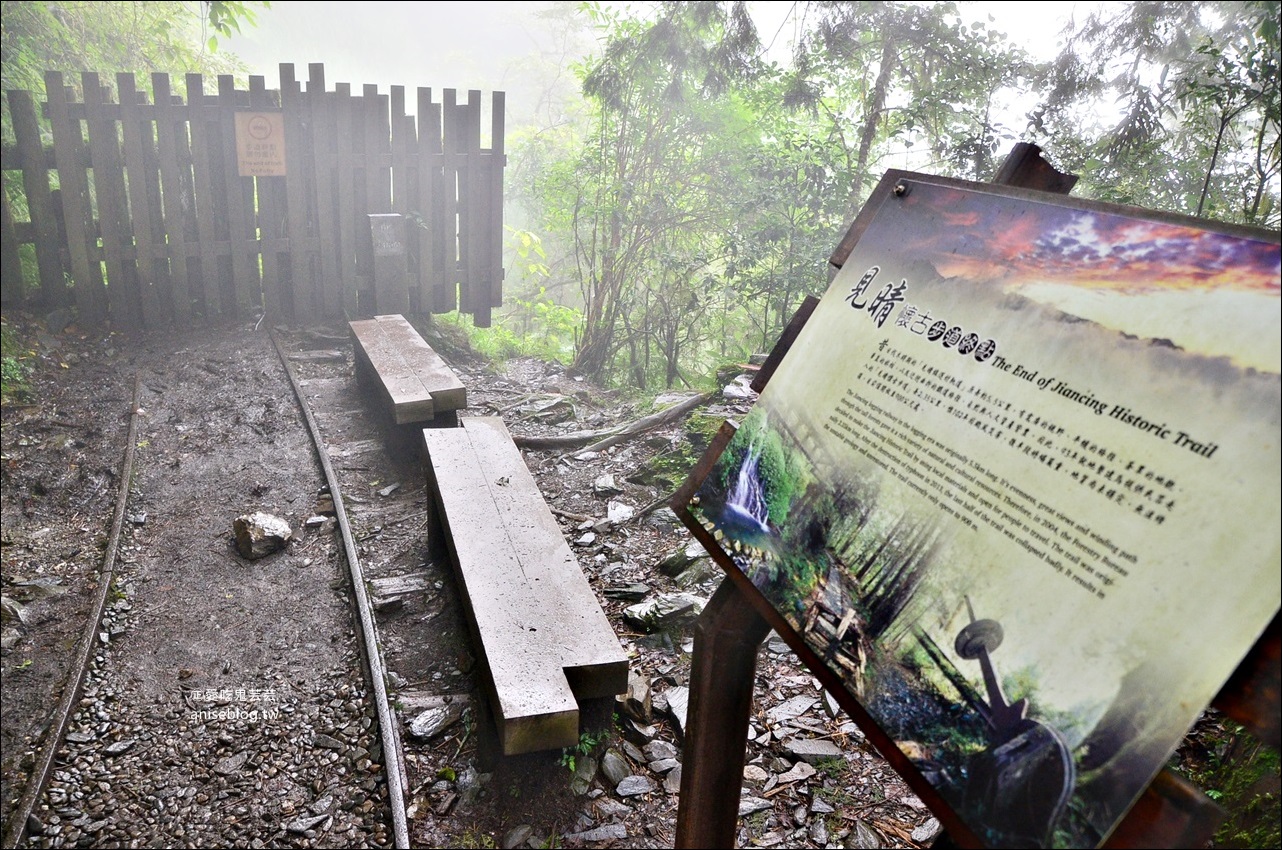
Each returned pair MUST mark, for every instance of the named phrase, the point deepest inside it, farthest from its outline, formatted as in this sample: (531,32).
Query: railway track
(213,701)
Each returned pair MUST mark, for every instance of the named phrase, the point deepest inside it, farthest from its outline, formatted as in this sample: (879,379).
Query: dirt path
(227,706)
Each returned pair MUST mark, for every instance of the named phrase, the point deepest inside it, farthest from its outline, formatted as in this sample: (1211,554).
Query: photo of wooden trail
(1015,485)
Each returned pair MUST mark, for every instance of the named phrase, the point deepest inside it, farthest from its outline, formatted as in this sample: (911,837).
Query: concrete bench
(413,379)
(536,620)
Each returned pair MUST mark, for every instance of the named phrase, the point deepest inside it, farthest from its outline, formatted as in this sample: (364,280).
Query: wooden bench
(536,620)
(413,379)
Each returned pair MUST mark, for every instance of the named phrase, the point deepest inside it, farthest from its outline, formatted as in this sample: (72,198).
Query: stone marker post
(391,295)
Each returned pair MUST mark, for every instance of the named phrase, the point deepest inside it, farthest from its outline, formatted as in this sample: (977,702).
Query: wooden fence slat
(113,209)
(349,198)
(473,195)
(400,150)
(175,177)
(323,153)
(429,186)
(136,130)
(448,204)
(378,149)
(68,144)
(270,212)
(494,225)
(297,190)
(201,166)
(12,288)
(35,183)
(181,233)
(174,192)
(244,264)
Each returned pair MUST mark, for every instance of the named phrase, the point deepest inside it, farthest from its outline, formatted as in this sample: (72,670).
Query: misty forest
(672,180)
(677,178)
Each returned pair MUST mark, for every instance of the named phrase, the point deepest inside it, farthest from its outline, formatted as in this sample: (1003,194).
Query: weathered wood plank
(113,208)
(171,141)
(348,212)
(138,136)
(431,274)
(323,152)
(203,149)
(415,381)
(298,165)
(35,183)
(246,285)
(402,585)
(68,146)
(448,211)
(536,621)
(474,187)
(497,160)
(269,217)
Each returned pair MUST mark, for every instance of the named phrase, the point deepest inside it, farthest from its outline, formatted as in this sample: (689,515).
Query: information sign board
(1016,486)
(260,144)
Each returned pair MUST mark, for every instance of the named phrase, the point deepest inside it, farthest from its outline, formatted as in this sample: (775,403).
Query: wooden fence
(147,220)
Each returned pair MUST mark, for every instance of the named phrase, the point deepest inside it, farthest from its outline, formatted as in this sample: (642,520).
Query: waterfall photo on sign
(1015,486)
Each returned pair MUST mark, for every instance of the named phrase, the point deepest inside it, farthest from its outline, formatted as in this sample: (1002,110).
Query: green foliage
(1241,774)
(79,35)
(588,741)
(15,373)
(1173,106)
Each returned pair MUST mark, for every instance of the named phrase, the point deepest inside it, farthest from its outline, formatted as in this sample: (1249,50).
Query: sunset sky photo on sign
(1151,279)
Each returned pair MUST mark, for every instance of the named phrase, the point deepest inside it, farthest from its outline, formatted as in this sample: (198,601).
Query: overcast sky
(488,45)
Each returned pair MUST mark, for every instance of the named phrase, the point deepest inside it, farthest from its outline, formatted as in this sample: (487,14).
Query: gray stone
(605,485)
(627,592)
(302,825)
(927,831)
(748,805)
(789,709)
(819,832)
(633,785)
(678,705)
(662,766)
(516,836)
(631,751)
(636,702)
(80,737)
(615,767)
(811,750)
(12,611)
(679,561)
(42,587)
(754,774)
(619,512)
(820,806)
(118,747)
(328,742)
(800,771)
(864,837)
(664,611)
(656,750)
(610,808)
(229,765)
(260,534)
(672,782)
(585,769)
(609,832)
(434,720)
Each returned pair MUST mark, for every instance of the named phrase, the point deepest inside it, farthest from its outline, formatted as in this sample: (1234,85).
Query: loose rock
(260,534)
